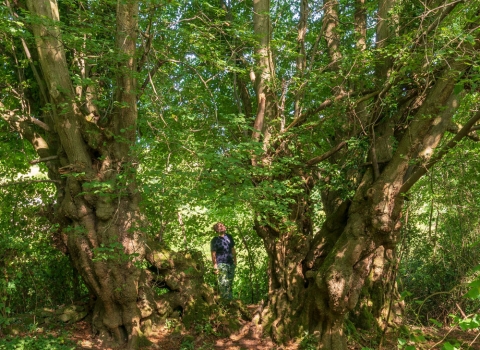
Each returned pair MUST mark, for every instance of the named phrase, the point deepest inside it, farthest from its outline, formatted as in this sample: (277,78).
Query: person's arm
(234,253)
(214,253)
(214,260)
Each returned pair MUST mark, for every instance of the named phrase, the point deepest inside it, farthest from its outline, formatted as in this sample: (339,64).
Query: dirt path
(171,339)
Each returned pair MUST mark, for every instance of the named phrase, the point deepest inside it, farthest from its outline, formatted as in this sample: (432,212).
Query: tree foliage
(302,125)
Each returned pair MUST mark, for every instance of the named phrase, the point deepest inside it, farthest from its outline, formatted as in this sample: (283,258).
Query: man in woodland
(224,259)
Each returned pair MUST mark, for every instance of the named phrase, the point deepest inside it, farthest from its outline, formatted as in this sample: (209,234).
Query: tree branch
(46,159)
(10,116)
(326,155)
(327,103)
(29,182)
(23,127)
(361,24)
(258,126)
(36,74)
(264,71)
(455,128)
(321,107)
(125,114)
(463,132)
(148,45)
(55,70)
(38,123)
(152,72)
(332,34)
(446,10)
(302,58)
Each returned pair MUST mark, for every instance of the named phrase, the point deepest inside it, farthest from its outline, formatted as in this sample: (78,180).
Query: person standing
(224,259)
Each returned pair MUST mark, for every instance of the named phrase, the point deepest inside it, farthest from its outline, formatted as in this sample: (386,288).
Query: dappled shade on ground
(173,336)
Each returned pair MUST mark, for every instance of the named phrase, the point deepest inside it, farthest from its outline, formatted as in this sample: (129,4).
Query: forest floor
(172,336)
(170,339)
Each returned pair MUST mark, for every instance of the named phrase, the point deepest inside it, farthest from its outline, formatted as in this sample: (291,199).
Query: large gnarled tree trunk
(316,279)
(97,194)
(88,151)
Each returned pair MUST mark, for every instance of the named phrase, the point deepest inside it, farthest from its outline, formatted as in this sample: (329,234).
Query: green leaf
(405,294)
(469,323)
(474,291)
(458,88)
(448,346)
(435,322)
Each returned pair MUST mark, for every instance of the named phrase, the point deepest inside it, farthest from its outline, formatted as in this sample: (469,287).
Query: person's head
(219,228)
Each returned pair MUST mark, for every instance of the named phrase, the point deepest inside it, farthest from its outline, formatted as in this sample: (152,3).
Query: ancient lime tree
(318,115)
(70,88)
(350,104)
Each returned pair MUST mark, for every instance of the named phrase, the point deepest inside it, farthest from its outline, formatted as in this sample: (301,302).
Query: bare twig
(473,341)
(152,72)
(441,341)
(461,311)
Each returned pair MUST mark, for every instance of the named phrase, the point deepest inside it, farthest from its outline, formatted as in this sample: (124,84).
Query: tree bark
(264,74)
(97,198)
(97,211)
(315,280)
(379,304)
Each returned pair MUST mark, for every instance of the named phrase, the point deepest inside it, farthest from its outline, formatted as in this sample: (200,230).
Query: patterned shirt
(222,246)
